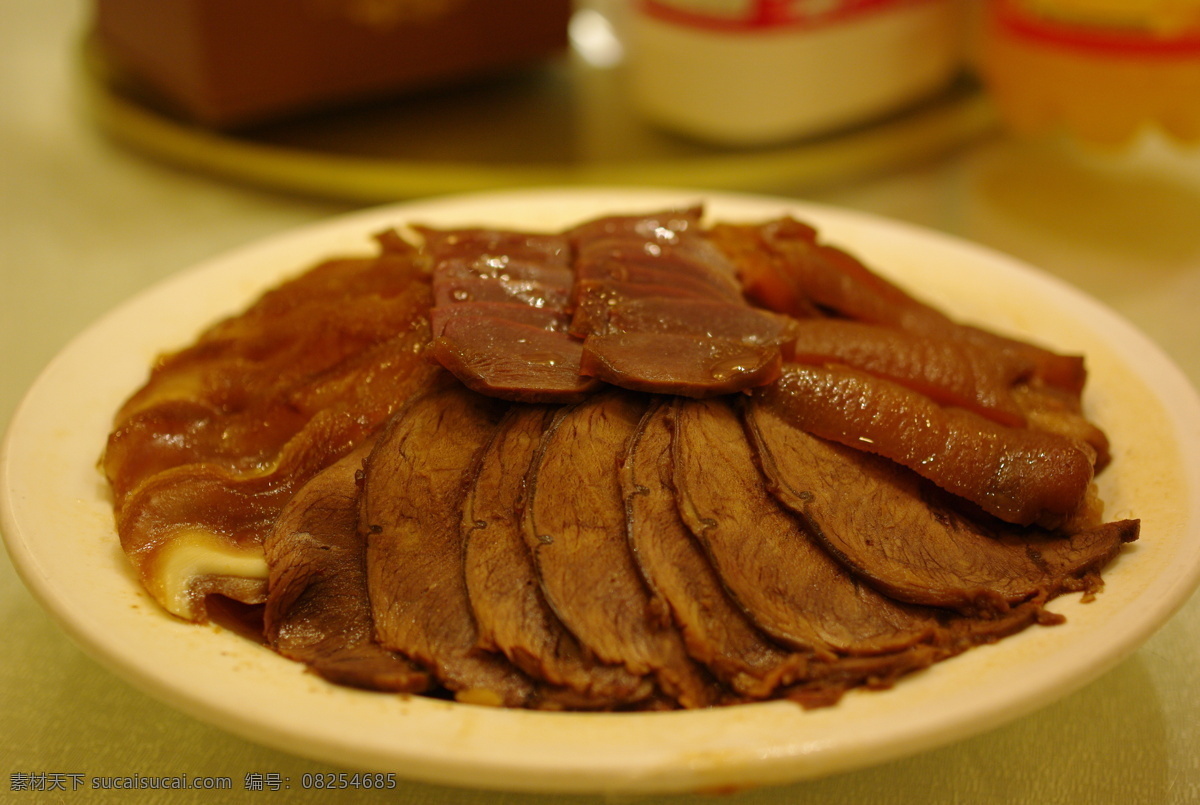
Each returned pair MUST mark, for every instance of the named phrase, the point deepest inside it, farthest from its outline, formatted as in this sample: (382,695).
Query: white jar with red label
(756,72)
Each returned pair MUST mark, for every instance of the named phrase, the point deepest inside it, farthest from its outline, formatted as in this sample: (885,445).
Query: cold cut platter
(1039,582)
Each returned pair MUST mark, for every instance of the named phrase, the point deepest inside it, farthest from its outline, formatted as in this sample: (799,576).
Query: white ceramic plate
(57,523)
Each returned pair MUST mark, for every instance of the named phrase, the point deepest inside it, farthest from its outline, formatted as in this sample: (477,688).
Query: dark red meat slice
(894,530)
(513,361)
(700,317)
(687,259)
(598,300)
(575,526)
(643,273)
(453,290)
(679,363)
(664,226)
(672,353)
(1020,475)
(317,610)
(540,317)
(500,313)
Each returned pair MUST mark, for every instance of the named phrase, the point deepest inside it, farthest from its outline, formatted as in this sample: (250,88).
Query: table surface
(87,223)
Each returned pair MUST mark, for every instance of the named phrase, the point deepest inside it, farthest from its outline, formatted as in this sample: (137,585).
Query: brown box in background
(230,63)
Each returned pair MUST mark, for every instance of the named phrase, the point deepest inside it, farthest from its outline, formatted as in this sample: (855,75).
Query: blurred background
(138,138)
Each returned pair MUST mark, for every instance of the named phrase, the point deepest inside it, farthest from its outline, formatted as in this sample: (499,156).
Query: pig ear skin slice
(949,372)
(414,484)
(785,269)
(510,610)
(894,530)
(1020,475)
(317,609)
(574,524)
(788,585)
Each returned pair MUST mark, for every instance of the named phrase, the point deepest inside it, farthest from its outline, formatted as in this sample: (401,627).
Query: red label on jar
(759,14)
(1023,21)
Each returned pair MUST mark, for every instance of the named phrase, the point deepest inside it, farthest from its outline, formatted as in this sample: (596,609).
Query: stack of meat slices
(639,464)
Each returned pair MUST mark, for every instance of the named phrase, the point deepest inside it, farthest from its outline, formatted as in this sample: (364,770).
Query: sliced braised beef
(678,352)
(414,485)
(899,533)
(1020,475)
(598,301)
(784,581)
(501,301)
(684,585)
(317,610)
(510,609)
(574,524)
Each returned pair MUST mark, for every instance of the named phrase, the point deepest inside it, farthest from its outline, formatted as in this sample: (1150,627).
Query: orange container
(1102,70)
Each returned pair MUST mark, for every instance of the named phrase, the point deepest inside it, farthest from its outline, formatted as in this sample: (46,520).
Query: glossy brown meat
(679,363)
(946,371)
(516,286)
(575,526)
(781,578)
(897,532)
(597,301)
(317,609)
(675,353)
(699,317)
(680,258)
(196,506)
(252,381)
(662,226)
(1020,475)
(784,267)
(540,317)
(414,485)
(510,610)
(513,361)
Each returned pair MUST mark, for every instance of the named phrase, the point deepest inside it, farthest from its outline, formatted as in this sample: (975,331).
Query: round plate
(57,521)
